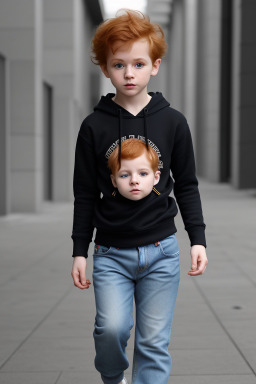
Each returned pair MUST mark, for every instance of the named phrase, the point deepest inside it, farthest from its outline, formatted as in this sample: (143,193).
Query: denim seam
(165,254)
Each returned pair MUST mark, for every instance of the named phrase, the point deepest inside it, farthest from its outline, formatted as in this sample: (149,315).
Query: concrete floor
(46,323)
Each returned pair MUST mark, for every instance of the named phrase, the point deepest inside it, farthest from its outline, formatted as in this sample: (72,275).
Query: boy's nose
(134,180)
(128,72)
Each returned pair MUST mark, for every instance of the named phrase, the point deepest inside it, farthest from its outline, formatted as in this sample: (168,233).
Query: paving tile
(208,362)
(214,316)
(203,340)
(52,354)
(213,379)
(29,377)
(242,332)
(250,354)
(79,377)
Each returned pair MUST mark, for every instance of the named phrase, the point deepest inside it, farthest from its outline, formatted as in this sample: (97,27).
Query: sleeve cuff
(197,236)
(80,247)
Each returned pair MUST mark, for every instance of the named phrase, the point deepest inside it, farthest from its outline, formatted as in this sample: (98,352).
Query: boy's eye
(139,65)
(124,175)
(118,65)
(143,173)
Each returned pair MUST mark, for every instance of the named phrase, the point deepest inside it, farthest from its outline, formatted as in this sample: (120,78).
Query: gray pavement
(46,323)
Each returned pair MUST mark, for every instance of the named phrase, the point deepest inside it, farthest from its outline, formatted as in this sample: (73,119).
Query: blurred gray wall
(243,92)
(48,85)
(4,201)
(20,42)
(45,92)
(160,14)
(208,93)
(210,76)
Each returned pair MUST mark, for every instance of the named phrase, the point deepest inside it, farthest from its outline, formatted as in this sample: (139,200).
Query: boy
(138,172)
(136,253)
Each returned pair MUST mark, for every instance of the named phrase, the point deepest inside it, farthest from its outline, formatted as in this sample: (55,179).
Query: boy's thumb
(193,262)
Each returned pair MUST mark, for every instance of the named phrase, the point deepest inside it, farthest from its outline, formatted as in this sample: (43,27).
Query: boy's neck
(132,104)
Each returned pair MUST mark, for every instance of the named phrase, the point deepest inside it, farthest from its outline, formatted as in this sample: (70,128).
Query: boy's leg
(155,296)
(114,291)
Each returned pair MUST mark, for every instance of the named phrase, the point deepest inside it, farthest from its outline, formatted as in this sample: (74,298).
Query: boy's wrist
(198,245)
(84,256)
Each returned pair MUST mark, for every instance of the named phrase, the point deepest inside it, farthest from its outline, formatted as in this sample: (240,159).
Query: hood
(107,105)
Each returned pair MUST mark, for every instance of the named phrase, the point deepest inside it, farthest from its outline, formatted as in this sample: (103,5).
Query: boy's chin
(135,197)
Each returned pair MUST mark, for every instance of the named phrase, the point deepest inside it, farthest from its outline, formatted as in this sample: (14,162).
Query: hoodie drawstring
(145,111)
(120,136)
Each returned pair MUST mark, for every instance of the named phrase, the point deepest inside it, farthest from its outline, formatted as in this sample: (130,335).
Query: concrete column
(63,161)
(208,89)
(243,102)
(67,69)
(190,63)
(175,78)
(20,42)
(58,72)
(4,140)
(160,14)
(182,71)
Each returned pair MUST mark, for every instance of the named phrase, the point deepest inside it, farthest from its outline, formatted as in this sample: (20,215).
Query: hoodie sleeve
(86,192)
(186,185)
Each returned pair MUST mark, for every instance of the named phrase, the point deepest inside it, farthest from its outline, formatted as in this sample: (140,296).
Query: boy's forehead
(119,48)
(140,161)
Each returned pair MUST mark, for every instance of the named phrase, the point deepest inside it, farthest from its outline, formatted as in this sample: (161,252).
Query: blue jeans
(151,275)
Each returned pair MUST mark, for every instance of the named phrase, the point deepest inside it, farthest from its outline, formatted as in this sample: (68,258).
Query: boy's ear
(157,177)
(113,180)
(156,66)
(104,70)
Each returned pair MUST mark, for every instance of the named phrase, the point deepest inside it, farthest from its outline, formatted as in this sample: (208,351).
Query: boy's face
(135,179)
(130,68)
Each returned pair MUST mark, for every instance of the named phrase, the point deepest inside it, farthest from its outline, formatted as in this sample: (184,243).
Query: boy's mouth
(130,85)
(135,190)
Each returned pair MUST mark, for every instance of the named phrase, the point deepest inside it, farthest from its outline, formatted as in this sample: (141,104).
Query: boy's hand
(79,273)
(199,260)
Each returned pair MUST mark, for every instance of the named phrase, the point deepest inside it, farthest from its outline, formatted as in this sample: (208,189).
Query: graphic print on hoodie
(121,222)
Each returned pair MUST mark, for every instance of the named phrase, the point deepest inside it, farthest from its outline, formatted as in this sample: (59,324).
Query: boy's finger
(81,286)
(77,282)
(194,266)
(84,281)
(194,262)
(194,273)
(199,271)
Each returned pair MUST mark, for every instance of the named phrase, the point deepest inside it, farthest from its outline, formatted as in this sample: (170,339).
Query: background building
(48,85)
(210,75)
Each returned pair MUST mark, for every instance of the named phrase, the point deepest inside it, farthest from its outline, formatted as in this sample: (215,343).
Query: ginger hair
(125,29)
(131,149)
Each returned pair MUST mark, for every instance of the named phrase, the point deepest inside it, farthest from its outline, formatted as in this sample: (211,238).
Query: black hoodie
(121,222)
